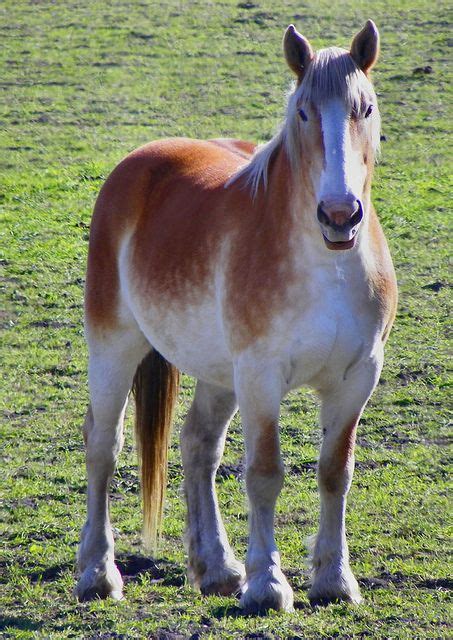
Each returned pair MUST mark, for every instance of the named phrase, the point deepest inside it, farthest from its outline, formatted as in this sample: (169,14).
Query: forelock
(333,74)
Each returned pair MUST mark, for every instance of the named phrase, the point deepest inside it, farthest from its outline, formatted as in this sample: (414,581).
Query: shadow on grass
(17,622)
(131,566)
(234,611)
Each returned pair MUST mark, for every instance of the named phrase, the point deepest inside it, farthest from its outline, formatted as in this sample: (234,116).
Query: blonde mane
(331,74)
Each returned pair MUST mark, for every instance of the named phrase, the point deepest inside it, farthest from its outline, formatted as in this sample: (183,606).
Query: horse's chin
(339,246)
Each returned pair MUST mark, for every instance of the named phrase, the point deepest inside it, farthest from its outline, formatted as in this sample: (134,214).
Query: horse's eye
(368,111)
(303,115)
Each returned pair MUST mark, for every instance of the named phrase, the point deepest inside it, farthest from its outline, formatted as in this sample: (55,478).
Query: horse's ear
(365,46)
(298,52)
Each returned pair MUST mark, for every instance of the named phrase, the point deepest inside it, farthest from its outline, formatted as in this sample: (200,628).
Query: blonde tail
(155,389)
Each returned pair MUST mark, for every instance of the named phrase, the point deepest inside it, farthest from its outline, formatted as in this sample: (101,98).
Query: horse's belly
(190,337)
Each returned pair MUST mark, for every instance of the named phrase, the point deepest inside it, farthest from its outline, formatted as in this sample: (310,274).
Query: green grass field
(83,83)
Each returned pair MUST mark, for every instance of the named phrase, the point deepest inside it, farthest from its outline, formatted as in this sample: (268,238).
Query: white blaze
(342,175)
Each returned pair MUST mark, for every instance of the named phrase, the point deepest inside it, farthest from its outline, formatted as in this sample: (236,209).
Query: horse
(256,270)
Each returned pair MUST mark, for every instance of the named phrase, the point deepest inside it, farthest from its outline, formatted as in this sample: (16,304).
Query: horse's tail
(155,388)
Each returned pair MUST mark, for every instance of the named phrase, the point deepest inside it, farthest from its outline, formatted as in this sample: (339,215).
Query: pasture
(82,85)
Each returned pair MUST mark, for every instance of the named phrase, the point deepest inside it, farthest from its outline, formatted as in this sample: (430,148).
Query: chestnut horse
(256,271)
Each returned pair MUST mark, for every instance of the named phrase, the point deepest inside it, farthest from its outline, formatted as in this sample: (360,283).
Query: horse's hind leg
(113,362)
(212,565)
(342,405)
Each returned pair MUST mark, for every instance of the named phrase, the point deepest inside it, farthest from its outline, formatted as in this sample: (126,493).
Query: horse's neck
(290,195)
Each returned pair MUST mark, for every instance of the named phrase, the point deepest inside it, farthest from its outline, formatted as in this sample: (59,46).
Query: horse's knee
(334,478)
(264,471)
(199,448)
(336,462)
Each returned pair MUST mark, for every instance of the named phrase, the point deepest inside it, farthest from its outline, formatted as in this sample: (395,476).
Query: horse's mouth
(341,245)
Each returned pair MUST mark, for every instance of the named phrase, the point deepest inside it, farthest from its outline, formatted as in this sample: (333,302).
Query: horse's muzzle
(340,222)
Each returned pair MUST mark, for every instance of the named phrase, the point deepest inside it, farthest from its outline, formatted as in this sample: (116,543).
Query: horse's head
(334,124)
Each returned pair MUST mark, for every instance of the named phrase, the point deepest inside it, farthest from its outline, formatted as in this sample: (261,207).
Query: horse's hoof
(99,583)
(262,593)
(327,589)
(224,581)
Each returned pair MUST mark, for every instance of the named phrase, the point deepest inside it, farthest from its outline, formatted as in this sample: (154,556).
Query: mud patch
(132,566)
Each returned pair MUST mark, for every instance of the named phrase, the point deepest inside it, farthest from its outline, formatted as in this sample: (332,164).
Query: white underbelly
(188,336)
(317,339)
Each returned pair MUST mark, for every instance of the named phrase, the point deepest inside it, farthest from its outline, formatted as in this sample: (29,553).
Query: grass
(84,83)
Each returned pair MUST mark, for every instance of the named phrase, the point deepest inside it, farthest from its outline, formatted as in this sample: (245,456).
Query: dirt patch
(406,376)
(132,566)
(303,467)
(51,574)
(385,579)
(52,324)
(439,584)
(29,503)
(226,471)
(364,465)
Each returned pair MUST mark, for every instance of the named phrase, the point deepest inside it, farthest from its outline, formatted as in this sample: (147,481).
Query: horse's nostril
(358,215)
(322,215)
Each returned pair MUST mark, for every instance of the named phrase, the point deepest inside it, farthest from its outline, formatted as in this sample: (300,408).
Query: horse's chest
(330,336)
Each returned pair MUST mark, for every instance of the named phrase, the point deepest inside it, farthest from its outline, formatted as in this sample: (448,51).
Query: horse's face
(338,124)
(341,184)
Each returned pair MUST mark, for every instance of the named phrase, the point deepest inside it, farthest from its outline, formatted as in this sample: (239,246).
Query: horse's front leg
(342,406)
(259,394)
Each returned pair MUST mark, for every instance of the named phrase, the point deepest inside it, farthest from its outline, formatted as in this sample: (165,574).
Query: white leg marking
(341,408)
(112,367)
(259,396)
(212,565)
